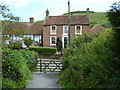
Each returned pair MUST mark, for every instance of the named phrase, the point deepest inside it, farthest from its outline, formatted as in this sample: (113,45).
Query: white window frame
(51,29)
(64,30)
(76,30)
(51,41)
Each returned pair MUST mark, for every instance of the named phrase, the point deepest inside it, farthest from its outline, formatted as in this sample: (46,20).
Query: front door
(65,41)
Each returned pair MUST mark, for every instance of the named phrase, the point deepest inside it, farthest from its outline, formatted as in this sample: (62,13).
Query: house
(16,31)
(96,29)
(57,26)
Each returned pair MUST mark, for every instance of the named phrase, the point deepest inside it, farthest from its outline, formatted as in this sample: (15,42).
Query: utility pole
(69,22)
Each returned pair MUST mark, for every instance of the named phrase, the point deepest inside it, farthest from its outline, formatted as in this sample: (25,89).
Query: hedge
(92,64)
(16,67)
(44,50)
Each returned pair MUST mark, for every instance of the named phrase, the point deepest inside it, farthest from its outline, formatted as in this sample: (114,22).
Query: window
(78,29)
(52,40)
(53,29)
(65,29)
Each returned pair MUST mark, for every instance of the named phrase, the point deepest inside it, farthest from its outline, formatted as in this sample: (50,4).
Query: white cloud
(24,3)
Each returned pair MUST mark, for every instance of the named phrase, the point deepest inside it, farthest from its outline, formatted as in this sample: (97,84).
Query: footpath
(44,80)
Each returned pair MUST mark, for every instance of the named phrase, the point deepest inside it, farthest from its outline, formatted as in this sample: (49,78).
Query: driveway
(44,80)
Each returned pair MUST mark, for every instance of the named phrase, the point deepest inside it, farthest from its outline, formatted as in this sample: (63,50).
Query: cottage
(16,31)
(57,26)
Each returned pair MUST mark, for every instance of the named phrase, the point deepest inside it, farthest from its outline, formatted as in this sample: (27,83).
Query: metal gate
(49,65)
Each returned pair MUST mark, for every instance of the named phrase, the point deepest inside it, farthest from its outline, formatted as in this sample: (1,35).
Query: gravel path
(44,80)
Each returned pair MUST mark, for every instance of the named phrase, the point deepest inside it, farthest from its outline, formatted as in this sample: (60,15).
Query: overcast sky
(36,8)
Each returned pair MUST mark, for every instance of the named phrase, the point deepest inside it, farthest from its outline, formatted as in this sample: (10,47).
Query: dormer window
(53,29)
(65,29)
(78,29)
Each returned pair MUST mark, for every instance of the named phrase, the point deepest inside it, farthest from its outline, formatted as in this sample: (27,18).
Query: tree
(114,16)
(28,41)
(114,19)
(59,44)
(6,16)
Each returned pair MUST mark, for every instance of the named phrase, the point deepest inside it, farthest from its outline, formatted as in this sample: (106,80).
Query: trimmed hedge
(44,50)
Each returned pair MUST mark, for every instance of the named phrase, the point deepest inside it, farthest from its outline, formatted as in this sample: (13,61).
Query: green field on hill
(96,18)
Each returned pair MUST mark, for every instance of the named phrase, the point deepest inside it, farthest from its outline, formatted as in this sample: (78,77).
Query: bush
(15,67)
(43,50)
(30,57)
(15,45)
(91,64)
(28,41)
(8,83)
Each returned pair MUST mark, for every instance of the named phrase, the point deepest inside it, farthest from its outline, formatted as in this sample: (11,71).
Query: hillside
(95,18)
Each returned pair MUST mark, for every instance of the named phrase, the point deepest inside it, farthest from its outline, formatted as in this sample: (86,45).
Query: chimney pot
(87,11)
(31,20)
(47,13)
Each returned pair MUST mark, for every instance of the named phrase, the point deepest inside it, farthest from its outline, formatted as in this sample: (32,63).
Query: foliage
(59,44)
(91,63)
(43,50)
(15,68)
(114,19)
(28,41)
(15,45)
(8,83)
(114,16)
(7,16)
(30,57)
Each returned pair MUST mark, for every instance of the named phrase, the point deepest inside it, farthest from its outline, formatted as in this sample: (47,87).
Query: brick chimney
(87,12)
(47,13)
(31,20)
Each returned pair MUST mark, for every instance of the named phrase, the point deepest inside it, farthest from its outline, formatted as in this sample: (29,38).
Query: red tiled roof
(62,20)
(23,28)
(96,28)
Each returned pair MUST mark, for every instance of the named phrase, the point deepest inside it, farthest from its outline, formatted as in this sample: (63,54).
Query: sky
(37,8)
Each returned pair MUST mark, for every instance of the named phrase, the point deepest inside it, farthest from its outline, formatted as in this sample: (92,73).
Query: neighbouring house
(16,31)
(57,26)
(96,29)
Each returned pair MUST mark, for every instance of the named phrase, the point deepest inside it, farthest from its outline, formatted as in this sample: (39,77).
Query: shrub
(59,44)
(43,50)
(28,41)
(15,45)
(91,64)
(15,67)
(8,83)
(30,57)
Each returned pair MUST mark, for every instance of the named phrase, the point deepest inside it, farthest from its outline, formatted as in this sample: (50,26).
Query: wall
(59,33)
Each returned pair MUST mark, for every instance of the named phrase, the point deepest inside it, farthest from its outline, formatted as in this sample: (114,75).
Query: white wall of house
(36,38)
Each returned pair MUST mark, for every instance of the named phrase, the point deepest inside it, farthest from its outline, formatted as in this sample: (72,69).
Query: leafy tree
(59,44)
(114,19)
(6,16)
(28,41)
(114,16)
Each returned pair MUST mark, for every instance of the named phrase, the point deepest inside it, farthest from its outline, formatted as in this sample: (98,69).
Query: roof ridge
(66,15)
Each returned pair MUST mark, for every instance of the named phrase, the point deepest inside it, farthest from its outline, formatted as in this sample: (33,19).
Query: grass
(96,18)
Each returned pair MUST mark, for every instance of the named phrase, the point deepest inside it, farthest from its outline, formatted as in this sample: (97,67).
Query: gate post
(40,65)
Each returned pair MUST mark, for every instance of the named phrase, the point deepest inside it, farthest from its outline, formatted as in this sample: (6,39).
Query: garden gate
(49,65)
